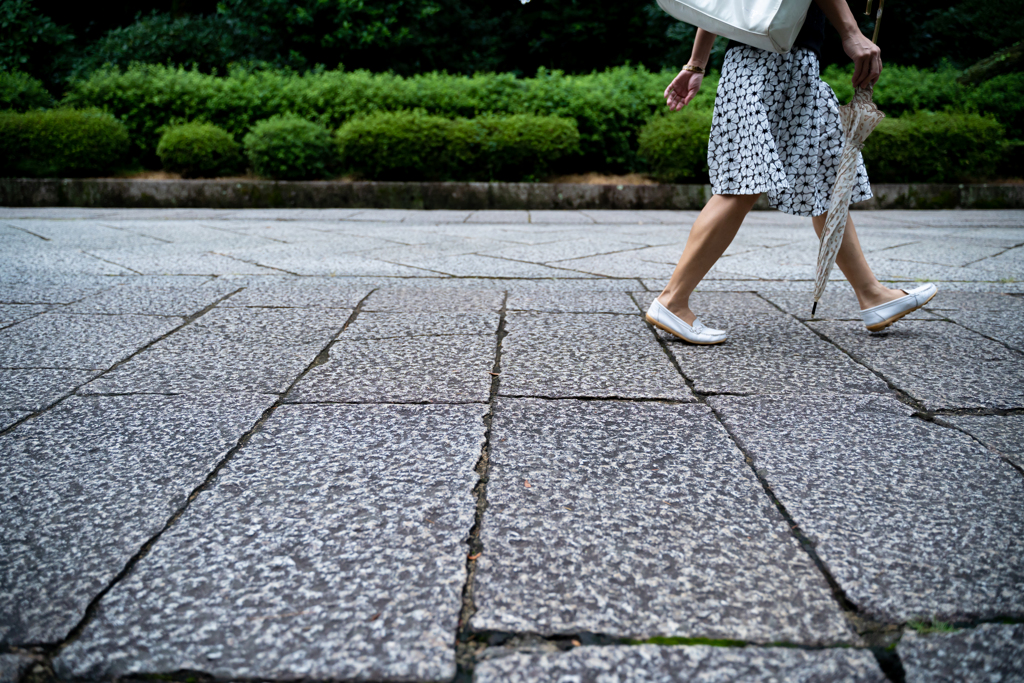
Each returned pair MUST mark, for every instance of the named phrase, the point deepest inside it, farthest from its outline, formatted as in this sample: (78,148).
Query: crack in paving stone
(464,638)
(188,320)
(878,636)
(91,610)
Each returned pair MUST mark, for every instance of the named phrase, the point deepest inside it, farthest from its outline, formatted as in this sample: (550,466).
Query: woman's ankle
(877,295)
(678,306)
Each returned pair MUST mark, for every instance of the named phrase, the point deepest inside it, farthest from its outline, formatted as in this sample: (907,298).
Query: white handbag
(768,24)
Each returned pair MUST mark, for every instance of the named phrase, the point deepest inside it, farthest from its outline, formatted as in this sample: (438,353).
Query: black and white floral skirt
(776,130)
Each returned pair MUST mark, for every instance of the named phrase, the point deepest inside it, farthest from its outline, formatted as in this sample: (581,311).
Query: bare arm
(684,86)
(866,56)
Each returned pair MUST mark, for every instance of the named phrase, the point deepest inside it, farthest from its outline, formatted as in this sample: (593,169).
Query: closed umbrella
(858,118)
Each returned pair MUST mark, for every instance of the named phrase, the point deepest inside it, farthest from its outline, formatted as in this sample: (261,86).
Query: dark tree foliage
(54,39)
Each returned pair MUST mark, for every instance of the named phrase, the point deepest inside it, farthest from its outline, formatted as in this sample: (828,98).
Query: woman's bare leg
(711,235)
(850,259)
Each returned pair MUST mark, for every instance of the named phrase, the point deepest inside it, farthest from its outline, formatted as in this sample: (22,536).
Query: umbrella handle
(878,18)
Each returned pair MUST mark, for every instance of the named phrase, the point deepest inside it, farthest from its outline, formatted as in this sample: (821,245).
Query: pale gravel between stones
(13,666)
(990,652)
(331,546)
(654,664)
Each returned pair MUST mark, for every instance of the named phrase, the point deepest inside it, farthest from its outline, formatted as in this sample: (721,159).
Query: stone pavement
(424,446)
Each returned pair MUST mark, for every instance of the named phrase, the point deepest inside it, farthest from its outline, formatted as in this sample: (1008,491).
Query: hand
(866,56)
(682,89)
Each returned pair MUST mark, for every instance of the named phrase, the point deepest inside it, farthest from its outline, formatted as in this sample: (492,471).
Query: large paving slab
(57,340)
(295,292)
(332,546)
(914,520)
(650,663)
(85,485)
(1004,434)
(165,297)
(239,349)
(427,369)
(586,355)
(942,365)
(990,652)
(15,313)
(638,520)
(767,352)
(413,301)
(836,304)
(33,389)
(998,316)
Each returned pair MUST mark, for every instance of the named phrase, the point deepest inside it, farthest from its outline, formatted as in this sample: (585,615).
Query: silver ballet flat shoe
(880,317)
(697,333)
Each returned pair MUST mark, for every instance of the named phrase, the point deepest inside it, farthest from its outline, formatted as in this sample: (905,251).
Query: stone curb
(259,194)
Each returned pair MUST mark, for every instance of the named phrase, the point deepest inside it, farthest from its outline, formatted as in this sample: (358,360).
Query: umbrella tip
(814,308)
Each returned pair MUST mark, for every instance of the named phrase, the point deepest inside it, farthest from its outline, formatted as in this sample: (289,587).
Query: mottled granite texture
(990,652)
(420,324)
(914,520)
(239,349)
(85,485)
(35,388)
(295,292)
(141,297)
(650,663)
(413,300)
(13,666)
(1004,434)
(594,355)
(555,300)
(333,546)
(835,304)
(640,519)
(771,354)
(53,340)
(13,313)
(443,369)
(940,364)
(9,417)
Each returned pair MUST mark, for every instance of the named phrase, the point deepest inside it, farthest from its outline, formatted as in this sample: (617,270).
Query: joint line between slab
(244,439)
(187,321)
(463,636)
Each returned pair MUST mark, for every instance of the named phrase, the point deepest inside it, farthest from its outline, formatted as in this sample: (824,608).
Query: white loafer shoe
(697,333)
(880,317)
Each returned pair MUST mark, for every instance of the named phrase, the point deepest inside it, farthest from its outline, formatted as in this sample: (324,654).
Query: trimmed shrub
(406,146)
(414,145)
(60,142)
(934,148)
(21,92)
(609,107)
(1002,97)
(524,147)
(903,89)
(675,146)
(289,147)
(197,150)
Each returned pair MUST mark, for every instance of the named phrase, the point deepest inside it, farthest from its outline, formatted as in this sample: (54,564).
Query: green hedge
(609,107)
(414,145)
(199,150)
(60,142)
(288,147)
(21,92)
(1002,97)
(675,146)
(934,148)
